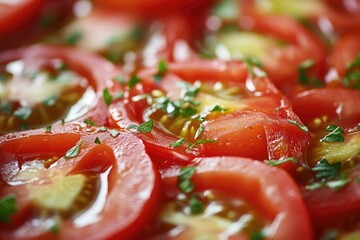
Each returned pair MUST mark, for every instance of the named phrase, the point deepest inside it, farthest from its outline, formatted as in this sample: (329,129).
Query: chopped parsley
(325,170)
(89,122)
(55,226)
(102,129)
(145,127)
(199,131)
(303,77)
(73,38)
(274,163)
(185,184)
(250,63)
(114,133)
(217,108)
(48,129)
(201,141)
(329,175)
(107,97)
(133,81)
(23,113)
(97,140)
(302,127)
(50,101)
(352,77)
(257,235)
(178,142)
(74,151)
(195,205)
(7,207)
(162,69)
(119,79)
(335,134)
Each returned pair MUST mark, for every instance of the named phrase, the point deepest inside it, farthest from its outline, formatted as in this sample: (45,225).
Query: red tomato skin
(132,177)
(326,206)
(346,49)
(302,45)
(262,98)
(82,62)
(270,190)
(335,103)
(12,17)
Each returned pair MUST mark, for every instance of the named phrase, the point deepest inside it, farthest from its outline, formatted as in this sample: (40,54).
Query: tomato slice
(77,179)
(319,107)
(346,51)
(274,39)
(15,13)
(71,87)
(151,7)
(209,108)
(270,192)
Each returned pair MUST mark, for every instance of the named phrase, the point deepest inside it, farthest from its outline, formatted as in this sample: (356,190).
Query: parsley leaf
(217,108)
(196,206)
(102,129)
(201,141)
(274,163)
(133,81)
(334,135)
(73,38)
(107,97)
(302,127)
(23,113)
(119,79)
(352,77)
(7,207)
(48,129)
(162,69)
(178,142)
(97,140)
(89,122)
(325,170)
(114,133)
(303,77)
(145,127)
(185,184)
(74,151)
(250,63)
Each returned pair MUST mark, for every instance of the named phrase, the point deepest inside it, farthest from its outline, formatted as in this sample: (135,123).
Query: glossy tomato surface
(67,77)
(271,191)
(43,168)
(253,114)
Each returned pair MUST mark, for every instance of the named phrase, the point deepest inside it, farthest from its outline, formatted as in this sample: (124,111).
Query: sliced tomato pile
(160,119)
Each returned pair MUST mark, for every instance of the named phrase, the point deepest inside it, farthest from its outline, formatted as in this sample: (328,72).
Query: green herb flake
(303,77)
(107,97)
(89,122)
(352,77)
(7,207)
(199,131)
(118,95)
(55,226)
(274,163)
(178,142)
(201,141)
(325,170)
(23,113)
(73,38)
(257,235)
(185,184)
(250,63)
(119,79)
(50,101)
(133,81)
(48,129)
(74,151)
(114,133)
(195,205)
(146,127)
(162,69)
(331,234)
(336,185)
(97,140)
(6,108)
(335,134)
(217,108)
(302,127)
(102,129)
